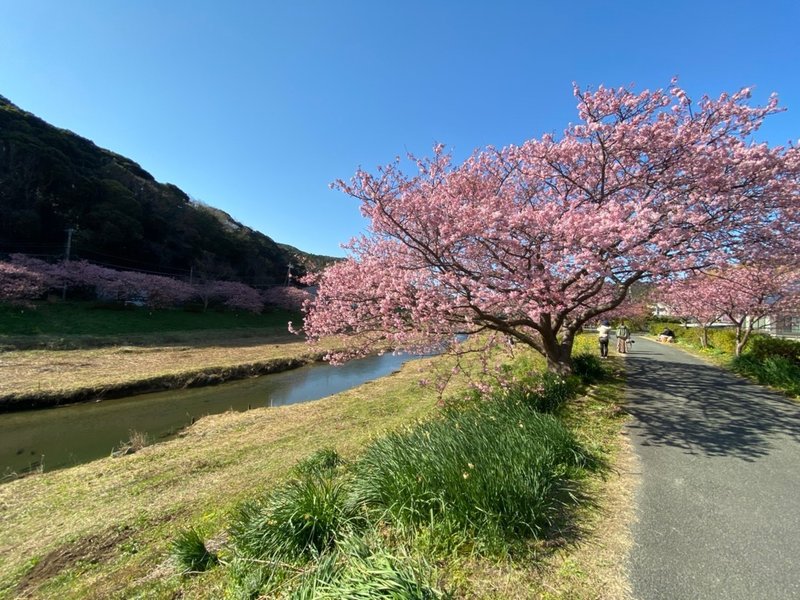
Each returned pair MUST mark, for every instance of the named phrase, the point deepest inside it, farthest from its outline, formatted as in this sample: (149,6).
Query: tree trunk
(559,353)
(740,341)
(742,335)
(704,337)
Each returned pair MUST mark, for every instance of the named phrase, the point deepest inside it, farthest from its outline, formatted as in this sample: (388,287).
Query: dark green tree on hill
(52,180)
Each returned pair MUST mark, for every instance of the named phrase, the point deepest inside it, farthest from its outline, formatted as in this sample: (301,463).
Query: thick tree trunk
(559,353)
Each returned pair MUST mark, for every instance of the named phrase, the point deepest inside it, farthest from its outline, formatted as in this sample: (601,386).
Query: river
(70,435)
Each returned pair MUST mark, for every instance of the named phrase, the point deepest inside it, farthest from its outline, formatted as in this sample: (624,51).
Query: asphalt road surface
(718,508)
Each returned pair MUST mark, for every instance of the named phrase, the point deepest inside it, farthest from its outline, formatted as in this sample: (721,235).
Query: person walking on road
(623,335)
(603,331)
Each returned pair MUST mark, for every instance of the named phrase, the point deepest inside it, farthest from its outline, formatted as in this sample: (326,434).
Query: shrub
(723,340)
(588,367)
(763,347)
(297,521)
(190,552)
(495,472)
(776,371)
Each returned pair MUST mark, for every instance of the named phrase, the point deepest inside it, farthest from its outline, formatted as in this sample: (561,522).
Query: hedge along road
(719,503)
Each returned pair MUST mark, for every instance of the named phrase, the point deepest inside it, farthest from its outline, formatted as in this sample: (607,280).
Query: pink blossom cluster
(744,293)
(24,277)
(286,297)
(234,295)
(535,240)
(19,283)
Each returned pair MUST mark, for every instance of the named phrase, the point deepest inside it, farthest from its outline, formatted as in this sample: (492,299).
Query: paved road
(719,503)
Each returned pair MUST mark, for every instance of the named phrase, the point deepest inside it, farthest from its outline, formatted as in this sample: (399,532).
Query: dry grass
(196,478)
(68,373)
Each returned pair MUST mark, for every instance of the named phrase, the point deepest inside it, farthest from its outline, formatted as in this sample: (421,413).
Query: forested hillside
(52,180)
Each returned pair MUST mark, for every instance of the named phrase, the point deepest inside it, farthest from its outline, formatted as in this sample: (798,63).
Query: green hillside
(52,180)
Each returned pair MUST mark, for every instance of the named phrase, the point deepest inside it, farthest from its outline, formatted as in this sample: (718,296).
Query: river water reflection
(70,435)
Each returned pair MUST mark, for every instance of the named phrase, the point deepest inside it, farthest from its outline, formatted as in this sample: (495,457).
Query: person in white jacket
(603,331)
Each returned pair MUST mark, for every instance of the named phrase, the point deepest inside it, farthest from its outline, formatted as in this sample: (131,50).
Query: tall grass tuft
(359,570)
(251,578)
(298,521)
(323,463)
(190,552)
(543,392)
(588,367)
(494,472)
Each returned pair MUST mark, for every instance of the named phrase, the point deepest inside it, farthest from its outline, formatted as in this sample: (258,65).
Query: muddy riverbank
(189,379)
(44,378)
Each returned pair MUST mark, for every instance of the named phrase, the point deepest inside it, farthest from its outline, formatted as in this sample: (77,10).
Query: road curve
(718,508)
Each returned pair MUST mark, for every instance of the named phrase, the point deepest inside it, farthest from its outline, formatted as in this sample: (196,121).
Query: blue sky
(255,107)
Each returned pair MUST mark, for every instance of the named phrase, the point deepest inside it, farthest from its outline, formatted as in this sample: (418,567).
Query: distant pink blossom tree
(743,293)
(695,297)
(287,297)
(533,241)
(18,283)
(235,295)
(50,273)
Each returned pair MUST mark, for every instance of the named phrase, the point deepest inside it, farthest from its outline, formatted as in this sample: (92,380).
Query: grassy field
(104,529)
(57,353)
(88,325)
(64,319)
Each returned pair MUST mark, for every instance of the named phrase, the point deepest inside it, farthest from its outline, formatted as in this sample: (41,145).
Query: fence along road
(719,502)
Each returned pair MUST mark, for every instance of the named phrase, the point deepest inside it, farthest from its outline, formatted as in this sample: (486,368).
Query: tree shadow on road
(703,409)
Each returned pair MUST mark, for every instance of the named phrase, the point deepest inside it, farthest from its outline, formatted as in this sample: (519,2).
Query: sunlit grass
(453,468)
(200,480)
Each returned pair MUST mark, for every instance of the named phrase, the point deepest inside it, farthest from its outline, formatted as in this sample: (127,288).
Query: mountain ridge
(53,180)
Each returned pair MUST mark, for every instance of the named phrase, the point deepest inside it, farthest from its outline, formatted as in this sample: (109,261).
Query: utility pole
(67,253)
(70,231)
(289,275)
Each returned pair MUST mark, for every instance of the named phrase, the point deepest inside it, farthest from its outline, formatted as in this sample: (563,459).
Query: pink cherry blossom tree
(233,294)
(747,293)
(695,297)
(19,283)
(533,241)
(288,297)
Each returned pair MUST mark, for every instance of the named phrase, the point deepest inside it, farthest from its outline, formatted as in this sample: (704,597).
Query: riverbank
(41,378)
(67,352)
(104,529)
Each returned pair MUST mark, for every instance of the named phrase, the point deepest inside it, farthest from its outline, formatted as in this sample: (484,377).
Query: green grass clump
(360,570)
(298,521)
(544,392)
(322,462)
(588,367)
(495,472)
(190,552)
